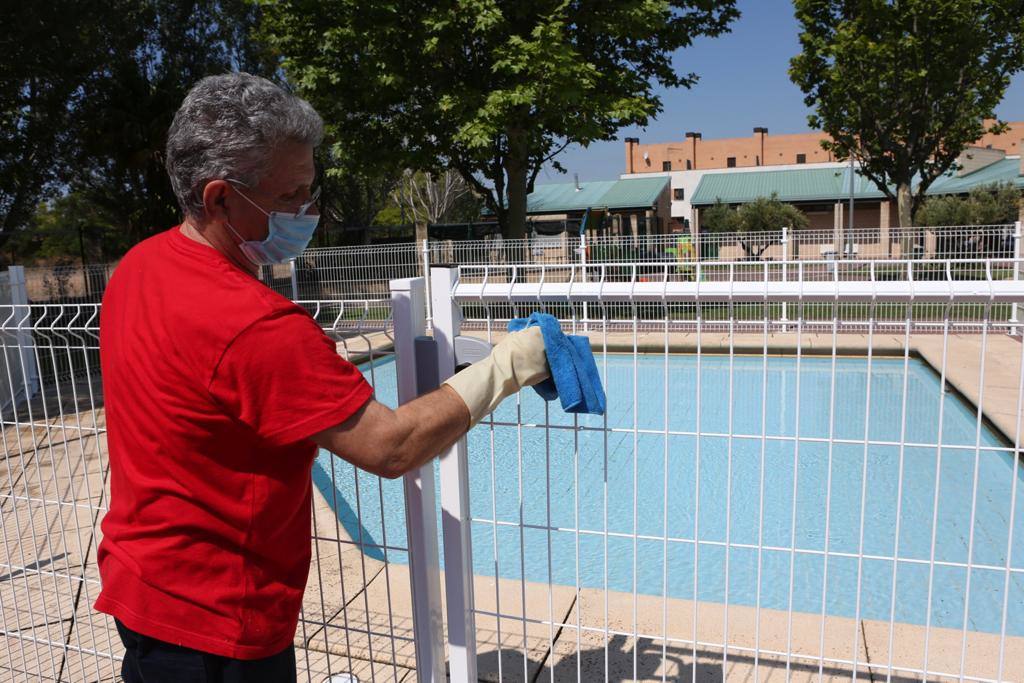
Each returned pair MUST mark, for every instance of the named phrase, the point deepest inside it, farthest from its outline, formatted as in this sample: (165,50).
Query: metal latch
(469,350)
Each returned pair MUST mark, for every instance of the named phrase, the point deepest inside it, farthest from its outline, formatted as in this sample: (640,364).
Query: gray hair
(228,127)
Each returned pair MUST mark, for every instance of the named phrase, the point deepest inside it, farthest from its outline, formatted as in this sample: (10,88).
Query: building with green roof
(822,191)
(624,206)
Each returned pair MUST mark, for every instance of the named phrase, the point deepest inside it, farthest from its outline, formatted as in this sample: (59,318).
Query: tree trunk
(904,202)
(516,168)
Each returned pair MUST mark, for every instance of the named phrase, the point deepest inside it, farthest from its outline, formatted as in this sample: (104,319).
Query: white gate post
(455,514)
(408,308)
(1017,235)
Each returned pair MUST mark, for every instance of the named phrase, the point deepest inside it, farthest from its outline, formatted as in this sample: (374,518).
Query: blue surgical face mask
(288,234)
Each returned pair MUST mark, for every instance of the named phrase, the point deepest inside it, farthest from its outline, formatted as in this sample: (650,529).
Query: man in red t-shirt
(218,392)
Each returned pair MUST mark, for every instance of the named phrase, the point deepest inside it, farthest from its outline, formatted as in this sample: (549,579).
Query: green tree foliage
(990,205)
(753,221)
(351,195)
(904,86)
(122,126)
(766,214)
(87,93)
(491,88)
(66,227)
(53,59)
(719,217)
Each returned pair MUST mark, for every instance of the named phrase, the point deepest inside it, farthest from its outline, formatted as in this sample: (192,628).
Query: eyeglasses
(312,200)
(303,208)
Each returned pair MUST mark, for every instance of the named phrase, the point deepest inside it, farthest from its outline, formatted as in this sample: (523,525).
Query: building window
(687,164)
(801,158)
(679,193)
(666,166)
(730,162)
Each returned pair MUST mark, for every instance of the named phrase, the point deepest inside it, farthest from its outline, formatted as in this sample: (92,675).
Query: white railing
(754,504)
(363,272)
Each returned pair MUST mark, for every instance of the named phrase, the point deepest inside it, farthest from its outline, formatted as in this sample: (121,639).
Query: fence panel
(54,490)
(766,497)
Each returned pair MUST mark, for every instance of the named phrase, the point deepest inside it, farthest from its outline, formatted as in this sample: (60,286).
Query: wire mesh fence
(799,476)
(765,498)
(71,284)
(54,491)
(357,272)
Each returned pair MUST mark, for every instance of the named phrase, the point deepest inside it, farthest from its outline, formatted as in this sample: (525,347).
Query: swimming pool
(651,440)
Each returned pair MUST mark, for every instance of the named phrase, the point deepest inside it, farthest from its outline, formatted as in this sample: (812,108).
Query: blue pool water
(545,472)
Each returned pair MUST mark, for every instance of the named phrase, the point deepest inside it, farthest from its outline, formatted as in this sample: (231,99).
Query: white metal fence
(363,272)
(760,502)
(357,612)
(778,489)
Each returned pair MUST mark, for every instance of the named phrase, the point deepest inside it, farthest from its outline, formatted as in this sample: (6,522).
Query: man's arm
(389,442)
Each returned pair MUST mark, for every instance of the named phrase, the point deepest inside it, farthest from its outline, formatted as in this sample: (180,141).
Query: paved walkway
(997,386)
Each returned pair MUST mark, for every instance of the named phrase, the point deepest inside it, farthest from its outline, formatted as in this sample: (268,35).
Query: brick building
(797,169)
(760,149)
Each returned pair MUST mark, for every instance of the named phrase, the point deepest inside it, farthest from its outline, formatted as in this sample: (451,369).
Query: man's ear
(215,200)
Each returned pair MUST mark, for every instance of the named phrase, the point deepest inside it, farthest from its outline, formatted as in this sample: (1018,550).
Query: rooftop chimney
(629,153)
(762,131)
(576,179)
(696,136)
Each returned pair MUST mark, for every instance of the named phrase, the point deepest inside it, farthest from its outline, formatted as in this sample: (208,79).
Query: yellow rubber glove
(515,362)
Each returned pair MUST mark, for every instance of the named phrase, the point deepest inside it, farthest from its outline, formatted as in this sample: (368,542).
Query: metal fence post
(583,277)
(1017,235)
(455,513)
(26,347)
(408,308)
(293,271)
(785,270)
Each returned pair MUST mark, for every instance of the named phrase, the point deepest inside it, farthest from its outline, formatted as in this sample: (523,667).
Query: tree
(431,198)
(351,197)
(53,57)
(995,204)
(87,93)
(68,227)
(491,88)
(120,129)
(720,217)
(903,86)
(754,222)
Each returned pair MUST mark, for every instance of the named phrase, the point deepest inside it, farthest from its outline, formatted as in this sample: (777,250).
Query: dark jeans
(148,660)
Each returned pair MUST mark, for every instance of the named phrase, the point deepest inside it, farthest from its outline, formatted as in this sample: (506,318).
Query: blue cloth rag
(574,377)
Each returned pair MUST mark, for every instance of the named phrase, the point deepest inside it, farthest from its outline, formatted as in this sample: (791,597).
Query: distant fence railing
(363,272)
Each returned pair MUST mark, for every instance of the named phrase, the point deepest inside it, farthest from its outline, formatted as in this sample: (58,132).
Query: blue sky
(743,83)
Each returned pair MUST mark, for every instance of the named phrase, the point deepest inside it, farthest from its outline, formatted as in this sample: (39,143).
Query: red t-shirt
(213,385)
